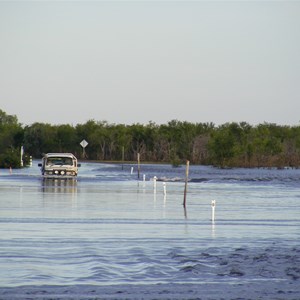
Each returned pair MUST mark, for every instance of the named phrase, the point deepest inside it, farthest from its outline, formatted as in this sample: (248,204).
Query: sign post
(83,144)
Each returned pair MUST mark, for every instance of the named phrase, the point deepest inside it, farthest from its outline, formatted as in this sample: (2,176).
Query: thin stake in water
(186,181)
(123,157)
(138,161)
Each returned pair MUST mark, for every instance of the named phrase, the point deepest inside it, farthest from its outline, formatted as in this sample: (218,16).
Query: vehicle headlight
(62,172)
(56,172)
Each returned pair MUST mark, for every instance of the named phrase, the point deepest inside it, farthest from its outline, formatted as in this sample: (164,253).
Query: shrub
(10,158)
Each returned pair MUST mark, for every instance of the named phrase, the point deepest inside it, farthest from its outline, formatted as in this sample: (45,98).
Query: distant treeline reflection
(228,145)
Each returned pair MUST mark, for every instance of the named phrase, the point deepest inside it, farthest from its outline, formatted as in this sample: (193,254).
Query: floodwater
(109,228)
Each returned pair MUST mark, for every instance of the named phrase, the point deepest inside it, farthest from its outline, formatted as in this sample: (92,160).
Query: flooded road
(107,228)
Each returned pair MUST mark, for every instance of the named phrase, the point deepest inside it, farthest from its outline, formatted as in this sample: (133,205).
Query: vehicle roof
(60,155)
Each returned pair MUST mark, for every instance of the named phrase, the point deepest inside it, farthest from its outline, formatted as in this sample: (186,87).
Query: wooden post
(138,161)
(186,181)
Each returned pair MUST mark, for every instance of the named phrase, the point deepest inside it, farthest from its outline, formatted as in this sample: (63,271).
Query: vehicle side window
(68,161)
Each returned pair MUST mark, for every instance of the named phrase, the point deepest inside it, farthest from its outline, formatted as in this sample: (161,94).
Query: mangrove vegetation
(228,145)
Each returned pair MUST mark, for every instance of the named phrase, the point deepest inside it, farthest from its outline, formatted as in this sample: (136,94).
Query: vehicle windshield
(59,161)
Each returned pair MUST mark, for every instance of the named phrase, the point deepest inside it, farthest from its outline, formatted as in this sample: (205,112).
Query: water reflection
(59,185)
(185,212)
(213,229)
(59,193)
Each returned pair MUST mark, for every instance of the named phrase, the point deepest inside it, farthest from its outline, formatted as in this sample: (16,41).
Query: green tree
(222,146)
(6,119)
(267,145)
(291,146)
(98,139)
(86,132)
(123,141)
(11,139)
(66,138)
(139,139)
(40,138)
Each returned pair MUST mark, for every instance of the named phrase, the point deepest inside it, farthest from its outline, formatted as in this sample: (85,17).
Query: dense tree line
(228,145)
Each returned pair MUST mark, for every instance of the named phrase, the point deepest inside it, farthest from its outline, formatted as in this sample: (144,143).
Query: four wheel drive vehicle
(59,165)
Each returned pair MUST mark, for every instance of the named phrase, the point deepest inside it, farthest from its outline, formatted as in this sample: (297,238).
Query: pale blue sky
(140,61)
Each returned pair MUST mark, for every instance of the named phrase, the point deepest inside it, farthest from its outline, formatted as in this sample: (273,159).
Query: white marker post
(213,206)
(22,153)
(154,183)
